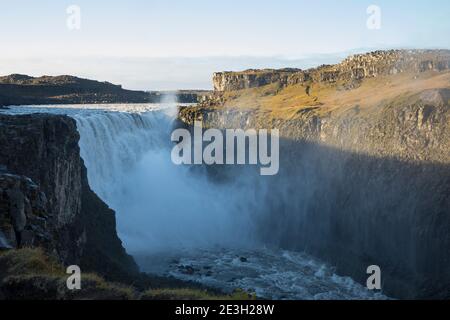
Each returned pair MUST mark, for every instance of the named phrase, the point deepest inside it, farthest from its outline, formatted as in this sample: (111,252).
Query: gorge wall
(227,81)
(363,180)
(45,199)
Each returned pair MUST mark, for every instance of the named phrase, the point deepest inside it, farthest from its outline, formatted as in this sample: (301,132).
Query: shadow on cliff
(355,210)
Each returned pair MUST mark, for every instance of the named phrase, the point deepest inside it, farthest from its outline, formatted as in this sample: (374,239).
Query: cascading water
(176,221)
(112,143)
(159,205)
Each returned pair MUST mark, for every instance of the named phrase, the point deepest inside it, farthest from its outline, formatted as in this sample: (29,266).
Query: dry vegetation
(32,274)
(193,294)
(289,102)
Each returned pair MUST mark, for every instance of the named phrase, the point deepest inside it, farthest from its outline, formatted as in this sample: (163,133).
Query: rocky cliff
(364,168)
(354,68)
(45,199)
(227,81)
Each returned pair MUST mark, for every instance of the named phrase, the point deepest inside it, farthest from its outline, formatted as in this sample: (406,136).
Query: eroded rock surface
(45,199)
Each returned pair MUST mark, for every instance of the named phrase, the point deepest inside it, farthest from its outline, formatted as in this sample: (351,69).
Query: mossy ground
(30,273)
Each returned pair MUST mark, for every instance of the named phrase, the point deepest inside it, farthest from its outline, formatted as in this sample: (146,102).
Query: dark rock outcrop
(19,89)
(26,223)
(45,199)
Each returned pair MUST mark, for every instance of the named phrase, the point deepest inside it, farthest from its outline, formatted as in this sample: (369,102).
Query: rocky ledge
(354,68)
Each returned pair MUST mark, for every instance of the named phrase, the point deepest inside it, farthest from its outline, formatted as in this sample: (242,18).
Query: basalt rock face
(27,221)
(361,183)
(414,128)
(45,199)
(354,68)
(227,81)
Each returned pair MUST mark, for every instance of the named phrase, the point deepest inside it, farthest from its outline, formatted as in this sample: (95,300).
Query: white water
(270,273)
(160,205)
(172,216)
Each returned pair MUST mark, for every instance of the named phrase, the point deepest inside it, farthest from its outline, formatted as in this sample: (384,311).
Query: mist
(159,205)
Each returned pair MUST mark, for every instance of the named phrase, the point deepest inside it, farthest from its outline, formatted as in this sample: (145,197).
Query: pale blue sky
(34,38)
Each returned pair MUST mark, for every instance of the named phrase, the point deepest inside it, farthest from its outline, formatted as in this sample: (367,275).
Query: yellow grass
(193,294)
(289,102)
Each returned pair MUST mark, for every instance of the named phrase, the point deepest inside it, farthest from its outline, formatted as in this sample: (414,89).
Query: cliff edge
(45,199)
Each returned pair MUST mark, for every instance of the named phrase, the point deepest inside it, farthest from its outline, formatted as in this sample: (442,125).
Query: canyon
(364,161)
(363,179)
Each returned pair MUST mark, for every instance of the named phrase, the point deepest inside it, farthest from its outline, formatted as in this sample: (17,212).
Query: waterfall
(159,205)
(228,228)
(111,143)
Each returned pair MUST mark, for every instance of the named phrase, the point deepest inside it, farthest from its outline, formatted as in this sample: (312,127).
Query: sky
(174,44)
